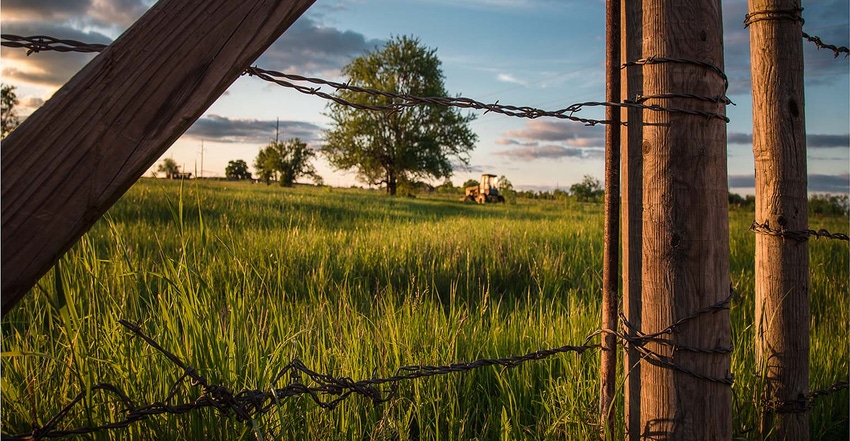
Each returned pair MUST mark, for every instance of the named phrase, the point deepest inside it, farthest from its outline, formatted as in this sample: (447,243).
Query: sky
(546,54)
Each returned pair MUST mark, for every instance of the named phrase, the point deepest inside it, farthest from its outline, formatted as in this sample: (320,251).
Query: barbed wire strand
(404,100)
(400,101)
(797,235)
(43,43)
(837,50)
(637,339)
(793,14)
(660,60)
(806,402)
(248,404)
(790,14)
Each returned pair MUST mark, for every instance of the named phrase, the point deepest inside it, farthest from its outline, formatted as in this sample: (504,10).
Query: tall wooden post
(75,156)
(781,265)
(685,265)
(632,206)
(610,252)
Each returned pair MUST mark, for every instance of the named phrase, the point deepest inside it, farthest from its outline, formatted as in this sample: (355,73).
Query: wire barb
(837,50)
(247,404)
(799,236)
(805,402)
(39,43)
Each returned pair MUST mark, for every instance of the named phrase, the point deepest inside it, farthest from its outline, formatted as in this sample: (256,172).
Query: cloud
(813,140)
(829,183)
(571,133)
(739,138)
(50,69)
(736,47)
(471,168)
(546,139)
(14,10)
(549,151)
(506,141)
(117,13)
(508,78)
(828,141)
(308,47)
(816,183)
(489,5)
(742,181)
(217,128)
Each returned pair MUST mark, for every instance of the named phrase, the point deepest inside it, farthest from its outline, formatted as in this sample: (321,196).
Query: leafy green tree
(506,188)
(469,183)
(266,164)
(829,205)
(410,144)
(287,161)
(446,186)
(237,170)
(588,190)
(169,167)
(8,115)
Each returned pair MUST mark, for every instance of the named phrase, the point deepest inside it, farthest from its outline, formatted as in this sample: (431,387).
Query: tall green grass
(239,279)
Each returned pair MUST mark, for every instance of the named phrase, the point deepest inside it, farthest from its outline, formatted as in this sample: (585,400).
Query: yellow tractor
(486,191)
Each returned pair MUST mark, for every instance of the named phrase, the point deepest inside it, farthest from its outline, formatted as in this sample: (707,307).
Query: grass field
(238,279)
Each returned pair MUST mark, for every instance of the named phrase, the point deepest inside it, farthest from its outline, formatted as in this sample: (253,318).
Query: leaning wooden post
(685,380)
(781,264)
(610,251)
(631,86)
(75,156)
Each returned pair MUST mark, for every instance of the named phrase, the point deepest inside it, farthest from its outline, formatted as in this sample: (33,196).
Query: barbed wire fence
(326,390)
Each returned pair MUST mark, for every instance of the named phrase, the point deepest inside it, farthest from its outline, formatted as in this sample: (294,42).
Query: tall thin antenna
(277,131)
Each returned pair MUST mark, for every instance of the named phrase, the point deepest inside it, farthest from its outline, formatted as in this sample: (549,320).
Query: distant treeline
(819,204)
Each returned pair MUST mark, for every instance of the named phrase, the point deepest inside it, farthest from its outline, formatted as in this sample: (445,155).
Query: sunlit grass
(239,279)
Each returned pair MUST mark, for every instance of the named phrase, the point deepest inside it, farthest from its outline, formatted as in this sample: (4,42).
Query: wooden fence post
(781,264)
(76,155)
(611,247)
(685,266)
(632,206)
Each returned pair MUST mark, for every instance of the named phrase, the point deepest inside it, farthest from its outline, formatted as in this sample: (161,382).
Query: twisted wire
(42,43)
(797,235)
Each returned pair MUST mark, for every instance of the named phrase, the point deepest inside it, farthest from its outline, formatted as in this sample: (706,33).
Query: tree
(237,170)
(169,167)
(407,145)
(288,160)
(446,186)
(506,188)
(469,183)
(8,116)
(589,189)
(266,163)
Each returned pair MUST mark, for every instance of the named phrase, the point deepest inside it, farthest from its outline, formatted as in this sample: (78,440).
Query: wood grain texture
(76,155)
(781,265)
(685,248)
(611,247)
(631,205)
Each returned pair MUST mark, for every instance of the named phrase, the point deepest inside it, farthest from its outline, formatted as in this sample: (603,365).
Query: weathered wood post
(631,202)
(611,247)
(781,264)
(75,156)
(685,393)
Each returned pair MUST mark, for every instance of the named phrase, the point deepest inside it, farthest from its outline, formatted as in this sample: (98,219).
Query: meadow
(238,279)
